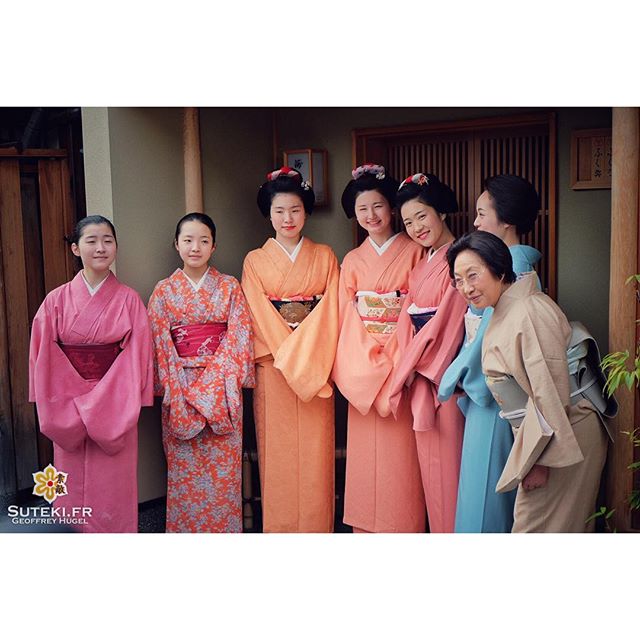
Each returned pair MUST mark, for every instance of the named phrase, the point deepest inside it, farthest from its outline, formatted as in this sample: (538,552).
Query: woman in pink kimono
(383,490)
(90,371)
(559,447)
(430,332)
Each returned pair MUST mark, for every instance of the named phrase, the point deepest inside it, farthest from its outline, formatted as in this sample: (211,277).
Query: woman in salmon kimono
(559,449)
(204,356)
(90,371)
(291,285)
(508,208)
(383,491)
(430,332)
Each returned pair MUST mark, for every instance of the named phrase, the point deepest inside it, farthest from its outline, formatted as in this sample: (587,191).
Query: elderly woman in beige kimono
(559,449)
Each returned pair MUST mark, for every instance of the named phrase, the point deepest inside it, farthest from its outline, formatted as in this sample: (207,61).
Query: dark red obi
(91,361)
(198,339)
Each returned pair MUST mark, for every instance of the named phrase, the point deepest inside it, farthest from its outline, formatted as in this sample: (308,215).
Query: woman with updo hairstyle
(204,356)
(291,285)
(560,448)
(508,207)
(430,332)
(90,371)
(383,491)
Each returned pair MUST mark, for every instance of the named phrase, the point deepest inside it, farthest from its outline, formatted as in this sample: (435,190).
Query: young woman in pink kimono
(430,332)
(291,284)
(204,356)
(559,448)
(383,491)
(90,371)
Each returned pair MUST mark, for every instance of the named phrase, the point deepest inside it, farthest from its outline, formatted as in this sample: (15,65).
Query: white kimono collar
(385,246)
(294,254)
(94,290)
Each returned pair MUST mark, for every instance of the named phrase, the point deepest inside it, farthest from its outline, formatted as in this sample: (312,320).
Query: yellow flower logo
(50,483)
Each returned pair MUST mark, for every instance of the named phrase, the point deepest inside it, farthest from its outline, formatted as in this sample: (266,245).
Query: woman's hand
(536,478)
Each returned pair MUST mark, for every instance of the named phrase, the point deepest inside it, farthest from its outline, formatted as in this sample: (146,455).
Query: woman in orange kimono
(291,285)
(430,332)
(204,356)
(383,491)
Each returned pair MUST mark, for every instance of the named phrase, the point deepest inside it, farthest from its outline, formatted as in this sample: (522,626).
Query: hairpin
(417,178)
(284,171)
(376,170)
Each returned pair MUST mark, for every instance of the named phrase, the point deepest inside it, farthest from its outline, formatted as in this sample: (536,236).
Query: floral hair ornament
(288,172)
(284,171)
(376,170)
(417,178)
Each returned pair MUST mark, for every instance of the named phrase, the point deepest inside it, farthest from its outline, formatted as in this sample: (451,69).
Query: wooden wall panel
(15,283)
(54,219)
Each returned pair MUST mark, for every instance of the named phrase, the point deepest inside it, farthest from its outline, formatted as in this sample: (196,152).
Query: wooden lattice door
(464,154)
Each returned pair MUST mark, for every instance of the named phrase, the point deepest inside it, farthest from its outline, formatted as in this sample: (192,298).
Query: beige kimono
(527,339)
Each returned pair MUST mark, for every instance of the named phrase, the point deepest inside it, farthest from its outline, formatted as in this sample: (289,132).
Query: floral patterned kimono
(202,399)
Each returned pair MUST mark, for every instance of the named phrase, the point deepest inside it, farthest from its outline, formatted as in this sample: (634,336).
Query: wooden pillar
(194,200)
(622,302)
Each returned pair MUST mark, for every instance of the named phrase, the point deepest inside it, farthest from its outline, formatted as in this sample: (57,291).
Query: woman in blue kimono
(507,208)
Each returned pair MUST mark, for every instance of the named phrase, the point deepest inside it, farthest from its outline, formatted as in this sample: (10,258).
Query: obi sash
(379,311)
(198,339)
(420,317)
(586,381)
(91,361)
(295,309)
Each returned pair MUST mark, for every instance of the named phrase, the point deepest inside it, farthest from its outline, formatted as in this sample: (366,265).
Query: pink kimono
(383,491)
(424,357)
(93,422)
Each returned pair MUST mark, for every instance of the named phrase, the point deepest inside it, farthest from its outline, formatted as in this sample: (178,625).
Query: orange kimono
(424,357)
(383,490)
(293,400)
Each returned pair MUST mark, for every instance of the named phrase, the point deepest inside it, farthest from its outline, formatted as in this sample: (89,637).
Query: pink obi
(198,339)
(91,361)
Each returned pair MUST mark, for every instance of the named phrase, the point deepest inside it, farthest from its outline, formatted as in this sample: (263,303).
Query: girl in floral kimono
(559,448)
(508,208)
(90,371)
(291,285)
(430,332)
(383,490)
(204,356)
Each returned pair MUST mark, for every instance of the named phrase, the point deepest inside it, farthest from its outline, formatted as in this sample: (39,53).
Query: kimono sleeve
(162,342)
(217,395)
(362,364)
(111,409)
(306,357)
(540,368)
(53,382)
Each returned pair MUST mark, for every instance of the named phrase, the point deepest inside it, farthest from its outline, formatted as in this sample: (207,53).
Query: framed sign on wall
(312,164)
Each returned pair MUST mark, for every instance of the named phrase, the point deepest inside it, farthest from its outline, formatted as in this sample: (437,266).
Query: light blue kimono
(487,436)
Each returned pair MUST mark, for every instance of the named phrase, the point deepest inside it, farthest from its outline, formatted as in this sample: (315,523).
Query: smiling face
(487,217)
(475,281)
(96,247)
(195,244)
(423,223)
(373,213)
(287,217)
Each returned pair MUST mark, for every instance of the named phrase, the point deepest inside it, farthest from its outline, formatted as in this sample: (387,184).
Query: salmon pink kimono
(424,357)
(202,401)
(93,422)
(383,491)
(293,400)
